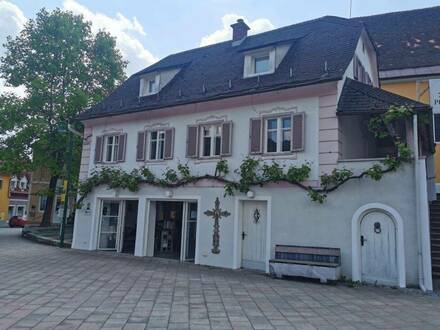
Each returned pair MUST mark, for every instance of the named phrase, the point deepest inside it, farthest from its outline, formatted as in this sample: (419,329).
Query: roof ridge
(394,12)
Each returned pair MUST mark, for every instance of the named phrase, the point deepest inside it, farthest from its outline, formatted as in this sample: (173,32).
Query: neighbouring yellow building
(4,196)
(408,47)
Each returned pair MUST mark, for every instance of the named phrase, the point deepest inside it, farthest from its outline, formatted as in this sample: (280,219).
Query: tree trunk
(47,215)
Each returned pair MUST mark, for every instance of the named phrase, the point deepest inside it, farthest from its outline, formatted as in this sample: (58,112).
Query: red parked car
(15,221)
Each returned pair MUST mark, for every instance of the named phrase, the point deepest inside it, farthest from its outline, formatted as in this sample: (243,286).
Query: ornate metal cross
(216,213)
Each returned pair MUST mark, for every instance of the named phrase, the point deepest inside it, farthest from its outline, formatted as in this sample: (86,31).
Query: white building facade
(378,226)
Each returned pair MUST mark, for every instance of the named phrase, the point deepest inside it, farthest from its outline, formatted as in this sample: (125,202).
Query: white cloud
(122,28)
(12,21)
(225,33)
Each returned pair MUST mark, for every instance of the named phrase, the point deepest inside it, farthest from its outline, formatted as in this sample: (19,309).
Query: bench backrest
(305,253)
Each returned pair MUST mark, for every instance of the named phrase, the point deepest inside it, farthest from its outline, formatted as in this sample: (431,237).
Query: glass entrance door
(190,232)
(108,234)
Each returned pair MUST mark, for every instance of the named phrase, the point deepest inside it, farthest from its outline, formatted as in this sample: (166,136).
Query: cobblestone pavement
(44,287)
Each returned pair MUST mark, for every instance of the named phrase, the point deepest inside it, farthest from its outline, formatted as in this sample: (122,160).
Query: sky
(148,30)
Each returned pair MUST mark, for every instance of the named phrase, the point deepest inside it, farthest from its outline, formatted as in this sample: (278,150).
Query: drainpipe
(422,215)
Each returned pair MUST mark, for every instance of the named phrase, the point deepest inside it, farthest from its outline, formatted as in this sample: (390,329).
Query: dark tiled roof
(357,97)
(406,39)
(327,39)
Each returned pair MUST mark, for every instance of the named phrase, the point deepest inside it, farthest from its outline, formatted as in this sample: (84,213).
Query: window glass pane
(43,201)
(272,124)
(272,141)
(153,135)
(286,140)
(286,122)
(20,211)
(152,86)
(206,131)
(107,241)
(437,127)
(153,146)
(161,148)
(218,143)
(207,146)
(261,64)
(109,153)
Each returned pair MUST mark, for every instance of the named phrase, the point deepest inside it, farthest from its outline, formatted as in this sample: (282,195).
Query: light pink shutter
(98,149)
(298,131)
(169,143)
(255,135)
(226,148)
(192,138)
(140,148)
(122,147)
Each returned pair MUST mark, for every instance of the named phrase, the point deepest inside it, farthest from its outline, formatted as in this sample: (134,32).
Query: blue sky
(149,30)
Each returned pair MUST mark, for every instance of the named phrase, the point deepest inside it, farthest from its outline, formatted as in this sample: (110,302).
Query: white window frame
(144,86)
(19,207)
(279,130)
(160,139)
(215,131)
(250,62)
(13,183)
(114,149)
(40,204)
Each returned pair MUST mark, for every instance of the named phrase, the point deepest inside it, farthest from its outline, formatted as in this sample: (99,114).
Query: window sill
(280,155)
(155,161)
(203,160)
(253,75)
(354,160)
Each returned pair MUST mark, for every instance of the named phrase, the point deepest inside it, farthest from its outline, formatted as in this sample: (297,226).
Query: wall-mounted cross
(216,213)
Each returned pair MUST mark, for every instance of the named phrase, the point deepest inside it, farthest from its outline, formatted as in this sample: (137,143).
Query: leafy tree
(65,68)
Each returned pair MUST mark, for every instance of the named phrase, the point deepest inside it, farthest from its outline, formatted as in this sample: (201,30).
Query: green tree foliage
(64,68)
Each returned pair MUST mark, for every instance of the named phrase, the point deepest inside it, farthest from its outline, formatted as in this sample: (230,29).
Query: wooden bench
(312,262)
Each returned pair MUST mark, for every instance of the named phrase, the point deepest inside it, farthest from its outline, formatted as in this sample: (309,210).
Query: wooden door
(379,249)
(254,221)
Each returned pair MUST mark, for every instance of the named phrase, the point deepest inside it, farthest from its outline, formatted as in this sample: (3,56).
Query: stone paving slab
(45,287)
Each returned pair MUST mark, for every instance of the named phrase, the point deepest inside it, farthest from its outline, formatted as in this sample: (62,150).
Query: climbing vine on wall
(254,172)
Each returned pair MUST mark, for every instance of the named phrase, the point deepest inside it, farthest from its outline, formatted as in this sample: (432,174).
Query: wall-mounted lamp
(250,194)
(168,193)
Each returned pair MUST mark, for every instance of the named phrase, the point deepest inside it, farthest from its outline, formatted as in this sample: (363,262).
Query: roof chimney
(239,31)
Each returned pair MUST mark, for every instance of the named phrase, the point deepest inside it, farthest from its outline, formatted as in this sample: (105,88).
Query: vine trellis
(254,172)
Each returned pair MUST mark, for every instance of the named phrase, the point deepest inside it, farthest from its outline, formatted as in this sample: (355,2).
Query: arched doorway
(378,249)
(378,254)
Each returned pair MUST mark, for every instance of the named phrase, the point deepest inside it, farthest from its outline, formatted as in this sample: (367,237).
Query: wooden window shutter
(140,148)
(169,143)
(255,136)
(298,121)
(122,147)
(226,147)
(192,141)
(98,149)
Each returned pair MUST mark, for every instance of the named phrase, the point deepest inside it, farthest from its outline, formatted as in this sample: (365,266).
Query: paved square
(44,287)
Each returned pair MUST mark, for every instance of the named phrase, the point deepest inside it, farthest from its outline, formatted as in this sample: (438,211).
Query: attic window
(149,85)
(259,63)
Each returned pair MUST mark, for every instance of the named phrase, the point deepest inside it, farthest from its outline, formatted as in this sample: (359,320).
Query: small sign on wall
(434,95)
(434,92)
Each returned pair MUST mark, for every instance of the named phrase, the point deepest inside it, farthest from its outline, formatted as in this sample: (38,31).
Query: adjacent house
(4,196)
(18,195)
(301,95)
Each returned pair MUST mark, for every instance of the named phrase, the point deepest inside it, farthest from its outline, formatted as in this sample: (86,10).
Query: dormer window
(259,62)
(149,85)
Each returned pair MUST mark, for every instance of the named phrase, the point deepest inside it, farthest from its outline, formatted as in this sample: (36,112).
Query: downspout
(422,216)
(417,184)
